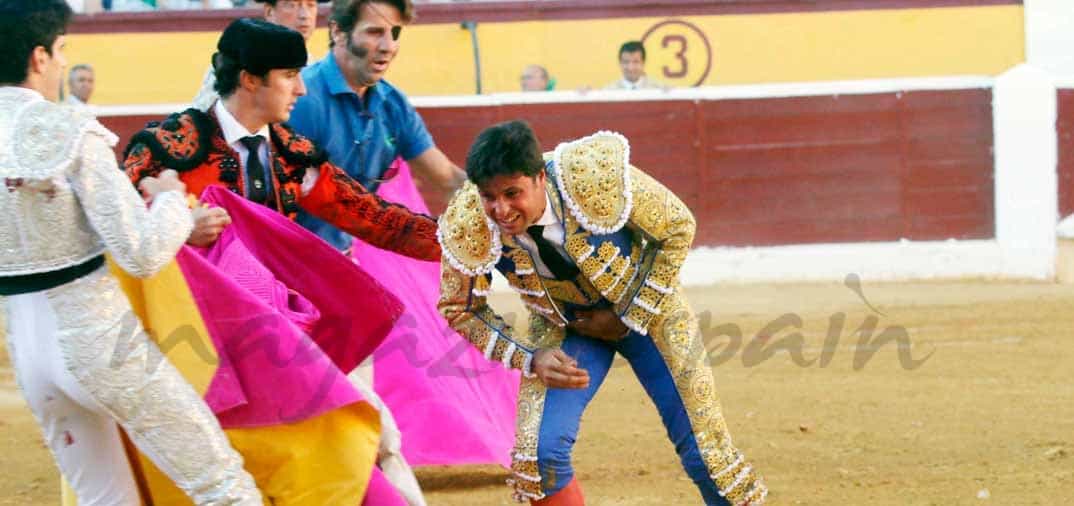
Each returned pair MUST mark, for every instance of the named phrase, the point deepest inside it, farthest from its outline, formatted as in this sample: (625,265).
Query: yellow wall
(437,59)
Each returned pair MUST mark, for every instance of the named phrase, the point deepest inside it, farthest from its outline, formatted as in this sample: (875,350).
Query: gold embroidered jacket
(627,233)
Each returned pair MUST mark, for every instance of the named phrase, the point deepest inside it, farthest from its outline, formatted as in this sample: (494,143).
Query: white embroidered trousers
(84,364)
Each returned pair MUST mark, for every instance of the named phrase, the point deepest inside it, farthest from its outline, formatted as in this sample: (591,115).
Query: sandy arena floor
(988,418)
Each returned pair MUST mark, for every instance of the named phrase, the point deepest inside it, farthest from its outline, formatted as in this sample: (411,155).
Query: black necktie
(560,267)
(255,172)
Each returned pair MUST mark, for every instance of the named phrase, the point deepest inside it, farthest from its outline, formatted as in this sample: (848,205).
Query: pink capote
(451,404)
(289,316)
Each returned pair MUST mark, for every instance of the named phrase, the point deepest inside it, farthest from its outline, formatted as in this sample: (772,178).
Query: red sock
(571,495)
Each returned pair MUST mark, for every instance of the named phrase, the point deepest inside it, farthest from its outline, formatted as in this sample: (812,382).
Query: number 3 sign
(680,51)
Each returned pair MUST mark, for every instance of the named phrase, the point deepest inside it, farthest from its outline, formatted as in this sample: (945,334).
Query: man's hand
(168,180)
(208,223)
(456,183)
(601,324)
(556,369)
(434,166)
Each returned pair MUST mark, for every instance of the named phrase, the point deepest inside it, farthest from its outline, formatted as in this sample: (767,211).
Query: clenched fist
(167,181)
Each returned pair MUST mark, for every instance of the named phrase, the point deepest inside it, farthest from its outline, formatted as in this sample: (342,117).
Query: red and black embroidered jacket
(192,143)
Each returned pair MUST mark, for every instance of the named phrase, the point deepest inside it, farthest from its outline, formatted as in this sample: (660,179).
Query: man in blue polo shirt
(362,121)
(364,124)
(424,371)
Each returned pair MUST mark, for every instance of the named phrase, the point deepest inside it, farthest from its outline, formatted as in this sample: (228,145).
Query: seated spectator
(149,5)
(80,82)
(535,78)
(298,15)
(194,4)
(133,5)
(632,64)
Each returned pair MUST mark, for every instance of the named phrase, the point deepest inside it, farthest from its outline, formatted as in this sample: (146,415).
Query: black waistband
(27,283)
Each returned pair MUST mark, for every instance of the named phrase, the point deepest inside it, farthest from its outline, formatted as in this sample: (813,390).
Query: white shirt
(73,102)
(553,233)
(70,99)
(643,83)
(234,132)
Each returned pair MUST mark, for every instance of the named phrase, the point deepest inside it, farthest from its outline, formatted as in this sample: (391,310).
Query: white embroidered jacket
(627,233)
(64,199)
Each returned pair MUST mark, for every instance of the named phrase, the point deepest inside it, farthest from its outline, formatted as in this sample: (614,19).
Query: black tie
(255,172)
(560,267)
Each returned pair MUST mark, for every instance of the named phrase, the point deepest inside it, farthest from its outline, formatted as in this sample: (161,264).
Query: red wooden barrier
(772,171)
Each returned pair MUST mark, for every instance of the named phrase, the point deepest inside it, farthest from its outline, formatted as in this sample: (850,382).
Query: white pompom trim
(662,289)
(539,309)
(642,304)
(573,206)
(506,360)
(635,326)
(495,249)
(491,345)
(728,469)
(531,293)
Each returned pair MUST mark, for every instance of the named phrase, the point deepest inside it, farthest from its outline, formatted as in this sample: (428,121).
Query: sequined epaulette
(296,149)
(593,176)
(468,238)
(181,142)
(45,137)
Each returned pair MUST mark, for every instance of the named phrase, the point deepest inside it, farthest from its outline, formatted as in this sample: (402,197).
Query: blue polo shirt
(363,137)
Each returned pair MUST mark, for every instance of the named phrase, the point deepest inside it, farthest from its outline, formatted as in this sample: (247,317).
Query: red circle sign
(680,50)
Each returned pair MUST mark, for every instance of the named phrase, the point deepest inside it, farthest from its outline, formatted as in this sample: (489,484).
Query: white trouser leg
(84,440)
(389,456)
(86,345)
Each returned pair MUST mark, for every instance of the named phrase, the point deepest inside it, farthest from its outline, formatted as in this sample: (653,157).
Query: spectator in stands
(80,82)
(133,5)
(632,64)
(298,15)
(149,5)
(536,78)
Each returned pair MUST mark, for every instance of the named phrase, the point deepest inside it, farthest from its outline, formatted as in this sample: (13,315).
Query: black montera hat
(259,46)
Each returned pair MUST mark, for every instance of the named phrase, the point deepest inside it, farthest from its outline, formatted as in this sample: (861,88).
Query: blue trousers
(563,410)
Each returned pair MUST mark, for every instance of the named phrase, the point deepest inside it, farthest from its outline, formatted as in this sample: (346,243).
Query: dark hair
(24,25)
(345,13)
(504,149)
(632,46)
(227,72)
